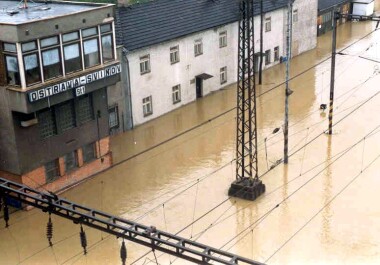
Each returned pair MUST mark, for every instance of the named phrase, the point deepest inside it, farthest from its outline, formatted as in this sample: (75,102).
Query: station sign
(75,83)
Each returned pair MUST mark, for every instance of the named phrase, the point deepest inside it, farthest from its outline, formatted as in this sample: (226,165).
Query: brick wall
(37,179)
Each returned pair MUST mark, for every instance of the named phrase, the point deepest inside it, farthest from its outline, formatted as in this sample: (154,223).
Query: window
(91,52)
(89,32)
(51,58)
(13,74)
(84,109)
(91,47)
(51,62)
(11,64)
(276,53)
(174,54)
(46,123)
(31,63)
(107,48)
(295,15)
(198,47)
(223,75)
(147,106)
(71,161)
(107,42)
(65,116)
(267,57)
(59,118)
(51,171)
(113,118)
(88,152)
(176,94)
(268,24)
(222,39)
(145,64)
(72,52)
(9,47)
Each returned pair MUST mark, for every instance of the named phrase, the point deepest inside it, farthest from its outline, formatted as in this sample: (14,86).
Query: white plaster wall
(363,9)
(272,38)
(163,75)
(305,30)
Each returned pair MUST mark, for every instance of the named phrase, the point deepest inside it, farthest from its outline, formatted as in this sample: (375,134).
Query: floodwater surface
(321,208)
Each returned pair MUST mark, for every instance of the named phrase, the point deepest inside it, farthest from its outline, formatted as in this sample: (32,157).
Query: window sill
(176,102)
(148,114)
(199,54)
(174,62)
(223,82)
(144,73)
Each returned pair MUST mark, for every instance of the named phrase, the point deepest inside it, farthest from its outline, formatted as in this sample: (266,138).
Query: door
(199,87)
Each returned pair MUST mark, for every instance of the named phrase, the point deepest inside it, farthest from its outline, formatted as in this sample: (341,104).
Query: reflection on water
(176,184)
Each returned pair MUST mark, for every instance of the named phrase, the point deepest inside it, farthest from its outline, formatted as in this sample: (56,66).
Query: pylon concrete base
(247,188)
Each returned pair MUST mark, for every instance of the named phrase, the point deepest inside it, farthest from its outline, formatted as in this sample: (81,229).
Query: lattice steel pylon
(247,184)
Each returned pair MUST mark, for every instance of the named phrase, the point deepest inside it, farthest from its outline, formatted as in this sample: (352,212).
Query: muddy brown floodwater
(327,195)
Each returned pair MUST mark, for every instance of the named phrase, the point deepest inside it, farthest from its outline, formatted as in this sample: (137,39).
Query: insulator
(123,253)
(83,240)
(6,213)
(49,231)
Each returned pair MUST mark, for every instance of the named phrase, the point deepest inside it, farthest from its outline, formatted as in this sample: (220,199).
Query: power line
(328,203)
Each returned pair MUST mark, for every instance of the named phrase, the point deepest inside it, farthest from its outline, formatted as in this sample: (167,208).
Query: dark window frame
(52,171)
(175,89)
(113,109)
(86,151)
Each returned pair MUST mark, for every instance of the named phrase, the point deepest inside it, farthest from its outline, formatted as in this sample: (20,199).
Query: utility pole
(247,184)
(336,16)
(261,41)
(332,78)
(287,89)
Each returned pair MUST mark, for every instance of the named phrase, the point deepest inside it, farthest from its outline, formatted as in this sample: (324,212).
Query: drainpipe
(127,81)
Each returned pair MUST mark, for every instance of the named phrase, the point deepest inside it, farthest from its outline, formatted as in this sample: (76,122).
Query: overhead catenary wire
(328,203)
(307,182)
(320,134)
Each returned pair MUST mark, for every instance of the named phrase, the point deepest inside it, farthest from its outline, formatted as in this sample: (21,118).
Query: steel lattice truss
(129,230)
(246,142)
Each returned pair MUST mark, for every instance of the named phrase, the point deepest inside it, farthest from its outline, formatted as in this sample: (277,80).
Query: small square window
(198,47)
(223,75)
(49,41)
(145,64)
(267,57)
(223,39)
(29,46)
(268,24)
(174,54)
(89,32)
(70,36)
(52,171)
(176,94)
(147,106)
(105,28)
(113,118)
(10,47)
(295,15)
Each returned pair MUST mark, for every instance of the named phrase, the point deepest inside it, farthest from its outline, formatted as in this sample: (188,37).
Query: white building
(363,7)
(177,51)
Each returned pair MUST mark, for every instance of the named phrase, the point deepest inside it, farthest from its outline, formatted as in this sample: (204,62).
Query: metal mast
(247,184)
(287,89)
(141,234)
